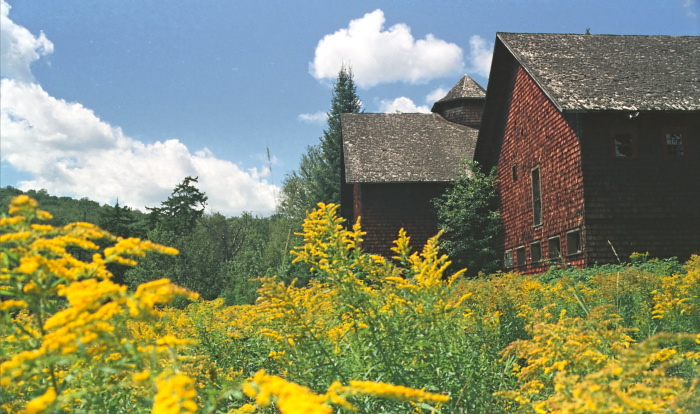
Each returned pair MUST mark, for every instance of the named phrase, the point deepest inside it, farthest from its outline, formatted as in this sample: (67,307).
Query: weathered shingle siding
(463,104)
(579,91)
(387,208)
(650,202)
(538,135)
(466,112)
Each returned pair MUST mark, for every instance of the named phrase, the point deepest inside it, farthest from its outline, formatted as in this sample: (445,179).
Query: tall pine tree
(318,177)
(345,100)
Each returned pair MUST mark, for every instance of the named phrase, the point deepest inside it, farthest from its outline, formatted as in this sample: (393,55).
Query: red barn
(395,164)
(597,143)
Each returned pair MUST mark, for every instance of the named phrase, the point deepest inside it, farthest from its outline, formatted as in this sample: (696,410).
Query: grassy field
(367,335)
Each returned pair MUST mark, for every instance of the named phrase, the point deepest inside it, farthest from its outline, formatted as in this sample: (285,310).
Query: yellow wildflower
(396,392)
(176,394)
(141,376)
(12,303)
(40,403)
(290,398)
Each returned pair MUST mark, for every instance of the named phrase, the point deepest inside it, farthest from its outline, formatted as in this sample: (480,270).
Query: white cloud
(68,150)
(18,47)
(315,118)
(480,53)
(436,95)
(403,105)
(691,8)
(377,55)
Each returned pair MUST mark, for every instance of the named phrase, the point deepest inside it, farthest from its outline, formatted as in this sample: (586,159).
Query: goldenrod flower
(396,392)
(39,404)
(141,376)
(290,398)
(176,394)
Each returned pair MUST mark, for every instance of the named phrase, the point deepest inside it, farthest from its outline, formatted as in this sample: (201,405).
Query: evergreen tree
(180,212)
(120,221)
(345,100)
(318,177)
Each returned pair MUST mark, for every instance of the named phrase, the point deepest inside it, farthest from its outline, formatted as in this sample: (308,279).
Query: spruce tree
(345,100)
(318,177)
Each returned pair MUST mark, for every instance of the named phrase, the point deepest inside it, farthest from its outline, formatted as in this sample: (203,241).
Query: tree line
(219,256)
(222,256)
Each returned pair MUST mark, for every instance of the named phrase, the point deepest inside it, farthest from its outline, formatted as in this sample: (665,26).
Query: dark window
(520,256)
(554,248)
(536,197)
(573,242)
(514,170)
(536,252)
(674,144)
(508,259)
(623,145)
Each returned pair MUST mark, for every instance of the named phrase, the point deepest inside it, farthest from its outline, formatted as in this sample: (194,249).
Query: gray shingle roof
(404,147)
(612,72)
(465,88)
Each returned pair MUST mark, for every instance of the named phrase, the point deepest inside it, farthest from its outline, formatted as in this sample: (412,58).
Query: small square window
(674,144)
(520,256)
(508,259)
(554,245)
(623,145)
(536,252)
(573,242)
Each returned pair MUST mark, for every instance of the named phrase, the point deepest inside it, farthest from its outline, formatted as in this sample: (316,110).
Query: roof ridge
(466,87)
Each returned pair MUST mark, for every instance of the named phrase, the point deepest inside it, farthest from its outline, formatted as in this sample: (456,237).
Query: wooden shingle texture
(465,88)
(403,147)
(609,72)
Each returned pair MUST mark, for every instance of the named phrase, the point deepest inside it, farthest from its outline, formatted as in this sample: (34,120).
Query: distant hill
(67,210)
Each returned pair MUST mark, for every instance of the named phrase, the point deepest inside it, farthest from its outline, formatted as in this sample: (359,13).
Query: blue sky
(123,99)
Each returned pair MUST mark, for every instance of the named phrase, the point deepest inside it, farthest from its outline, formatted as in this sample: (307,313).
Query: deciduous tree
(468,214)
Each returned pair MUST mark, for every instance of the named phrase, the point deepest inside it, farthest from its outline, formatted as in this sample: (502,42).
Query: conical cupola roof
(465,88)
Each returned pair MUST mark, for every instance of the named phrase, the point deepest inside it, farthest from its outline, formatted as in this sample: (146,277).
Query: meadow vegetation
(363,333)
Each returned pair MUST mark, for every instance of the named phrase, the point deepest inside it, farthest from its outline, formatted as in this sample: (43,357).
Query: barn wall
(466,111)
(650,201)
(387,208)
(536,135)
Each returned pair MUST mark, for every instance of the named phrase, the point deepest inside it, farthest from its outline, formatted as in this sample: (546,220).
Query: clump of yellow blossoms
(64,342)
(75,341)
(577,365)
(176,395)
(292,398)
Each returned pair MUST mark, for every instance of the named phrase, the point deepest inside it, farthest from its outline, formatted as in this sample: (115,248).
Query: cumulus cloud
(315,118)
(436,95)
(68,150)
(480,53)
(378,55)
(402,105)
(19,47)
